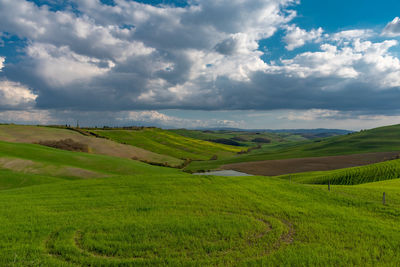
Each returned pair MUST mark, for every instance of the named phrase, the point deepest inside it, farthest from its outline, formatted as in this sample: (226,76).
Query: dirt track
(285,166)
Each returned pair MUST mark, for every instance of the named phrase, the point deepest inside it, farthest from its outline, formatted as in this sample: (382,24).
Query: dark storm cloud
(227,46)
(272,91)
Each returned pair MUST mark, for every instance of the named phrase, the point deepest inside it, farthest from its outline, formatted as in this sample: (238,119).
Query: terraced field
(138,214)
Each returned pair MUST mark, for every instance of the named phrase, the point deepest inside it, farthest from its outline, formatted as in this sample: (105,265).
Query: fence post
(384,199)
(329,185)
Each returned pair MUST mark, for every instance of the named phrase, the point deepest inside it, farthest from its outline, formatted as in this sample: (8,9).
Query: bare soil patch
(80,173)
(286,166)
(15,164)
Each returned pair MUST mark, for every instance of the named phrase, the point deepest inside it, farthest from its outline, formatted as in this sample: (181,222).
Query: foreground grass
(10,179)
(146,215)
(183,220)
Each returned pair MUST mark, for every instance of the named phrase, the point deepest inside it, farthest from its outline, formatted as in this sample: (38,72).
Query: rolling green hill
(169,143)
(381,139)
(35,134)
(36,159)
(141,215)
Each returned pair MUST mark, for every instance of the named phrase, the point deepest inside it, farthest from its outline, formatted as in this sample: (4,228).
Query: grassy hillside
(349,176)
(144,215)
(381,139)
(11,179)
(36,159)
(34,134)
(169,143)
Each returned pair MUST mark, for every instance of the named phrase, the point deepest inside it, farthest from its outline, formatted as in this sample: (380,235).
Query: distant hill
(168,143)
(382,139)
(240,137)
(280,135)
(298,131)
(311,131)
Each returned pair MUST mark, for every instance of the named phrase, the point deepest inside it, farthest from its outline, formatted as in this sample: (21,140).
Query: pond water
(223,173)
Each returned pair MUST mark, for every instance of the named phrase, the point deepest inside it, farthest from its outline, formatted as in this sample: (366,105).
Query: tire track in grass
(73,251)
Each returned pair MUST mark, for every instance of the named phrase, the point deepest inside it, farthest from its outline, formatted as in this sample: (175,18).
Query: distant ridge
(300,131)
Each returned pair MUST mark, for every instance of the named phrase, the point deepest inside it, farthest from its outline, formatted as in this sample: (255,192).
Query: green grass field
(169,143)
(381,139)
(134,214)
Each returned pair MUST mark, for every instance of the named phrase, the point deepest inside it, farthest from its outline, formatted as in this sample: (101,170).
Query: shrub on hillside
(261,140)
(250,149)
(226,142)
(214,157)
(238,138)
(66,144)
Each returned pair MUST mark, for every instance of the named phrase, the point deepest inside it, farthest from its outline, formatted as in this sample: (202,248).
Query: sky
(251,64)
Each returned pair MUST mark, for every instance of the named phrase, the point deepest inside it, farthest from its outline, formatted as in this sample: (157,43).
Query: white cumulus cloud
(15,95)
(349,35)
(392,29)
(310,115)
(60,66)
(362,60)
(296,37)
(157,118)
(27,117)
(142,55)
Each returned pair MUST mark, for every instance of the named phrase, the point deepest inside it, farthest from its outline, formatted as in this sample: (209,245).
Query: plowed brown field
(285,166)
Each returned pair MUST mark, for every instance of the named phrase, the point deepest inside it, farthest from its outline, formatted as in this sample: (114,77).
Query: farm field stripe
(286,166)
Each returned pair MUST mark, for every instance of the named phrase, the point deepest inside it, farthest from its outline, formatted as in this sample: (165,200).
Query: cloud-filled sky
(201,63)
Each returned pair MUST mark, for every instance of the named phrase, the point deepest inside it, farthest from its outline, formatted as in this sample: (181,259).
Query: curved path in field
(67,245)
